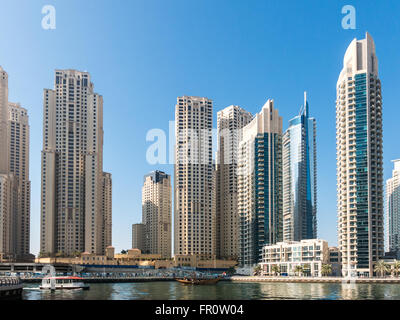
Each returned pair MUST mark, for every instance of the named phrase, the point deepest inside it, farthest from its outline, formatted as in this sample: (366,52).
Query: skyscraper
(138,236)
(300,178)
(260,184)
(393,208)
(156,213)
(14,177)
(18,127)
(72,210)
(107,209)
(7,245)
(359,159)
(230,122)
(194,211)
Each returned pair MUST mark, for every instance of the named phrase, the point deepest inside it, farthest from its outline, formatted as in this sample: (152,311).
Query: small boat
(198,281)
(65,283)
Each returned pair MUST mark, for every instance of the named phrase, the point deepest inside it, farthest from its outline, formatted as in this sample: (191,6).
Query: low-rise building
(135,257)
(335,260)
(202,262)
(283,258)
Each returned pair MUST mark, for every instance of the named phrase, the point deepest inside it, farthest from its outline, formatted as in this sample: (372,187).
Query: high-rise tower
(14,177)
(359,159)
(300,178)
(72,209)
(7,243)
(156,213)
(3,121)
(230,122)
(393,209)
(18,127)
(194,207)
(260,184)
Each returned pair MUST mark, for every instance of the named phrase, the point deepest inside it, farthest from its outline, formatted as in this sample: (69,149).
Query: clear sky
(143,54)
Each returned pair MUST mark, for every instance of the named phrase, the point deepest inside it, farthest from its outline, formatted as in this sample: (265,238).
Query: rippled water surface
(172,290)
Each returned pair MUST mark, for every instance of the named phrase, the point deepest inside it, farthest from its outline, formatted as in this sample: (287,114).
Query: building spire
(305,105)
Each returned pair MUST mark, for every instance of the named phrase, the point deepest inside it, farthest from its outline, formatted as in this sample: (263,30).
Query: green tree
(231,271)
(76,254)
(381,268)
(275,269)
(298,270)
(307,269)
(396,268)
(326,269)
(43,254)
(257,270)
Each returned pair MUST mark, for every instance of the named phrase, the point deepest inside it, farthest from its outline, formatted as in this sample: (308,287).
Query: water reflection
(170,290)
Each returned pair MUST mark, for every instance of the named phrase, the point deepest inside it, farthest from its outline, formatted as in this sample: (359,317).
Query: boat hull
(198,281)
(66,288)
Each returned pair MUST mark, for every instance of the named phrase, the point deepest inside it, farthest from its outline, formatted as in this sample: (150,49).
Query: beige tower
(3,121)
(6,229)
(393,209)
(260,184)
(138,236)
(72,216)
(156,213)
(359,159)
(194,212)
(14,177)
(18,128)
(107,209)
(230,122)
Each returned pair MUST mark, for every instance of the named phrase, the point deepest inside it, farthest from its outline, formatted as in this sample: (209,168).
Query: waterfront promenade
(127,278)
(109,279)
(313,279)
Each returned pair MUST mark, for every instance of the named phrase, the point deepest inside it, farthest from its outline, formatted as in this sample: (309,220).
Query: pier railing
(9,281)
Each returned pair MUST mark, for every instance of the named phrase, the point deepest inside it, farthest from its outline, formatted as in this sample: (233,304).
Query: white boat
(65,283)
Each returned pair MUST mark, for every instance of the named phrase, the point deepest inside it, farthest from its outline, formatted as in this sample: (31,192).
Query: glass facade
(299,178)
(260,184)
(267,180)
(359,160)
(361,170)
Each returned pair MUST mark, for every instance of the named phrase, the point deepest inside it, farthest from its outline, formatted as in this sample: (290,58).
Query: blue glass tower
(300,177)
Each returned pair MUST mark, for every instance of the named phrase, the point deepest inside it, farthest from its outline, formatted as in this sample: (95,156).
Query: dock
(113,279)
(313,279)
(10,288)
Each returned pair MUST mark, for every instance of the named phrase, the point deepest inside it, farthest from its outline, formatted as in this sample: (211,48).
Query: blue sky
(143,54)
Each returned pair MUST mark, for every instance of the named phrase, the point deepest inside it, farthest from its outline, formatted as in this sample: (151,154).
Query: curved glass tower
(300,178)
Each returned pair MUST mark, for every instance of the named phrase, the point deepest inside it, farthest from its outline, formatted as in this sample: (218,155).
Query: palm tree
(381,267)
(76,254)
(257,270)
(307,269)
(326,269)
(298,269)
(396,268)
(231,271)
(275,269)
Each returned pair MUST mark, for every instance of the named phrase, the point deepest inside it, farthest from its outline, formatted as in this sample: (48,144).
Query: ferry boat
(69,282)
